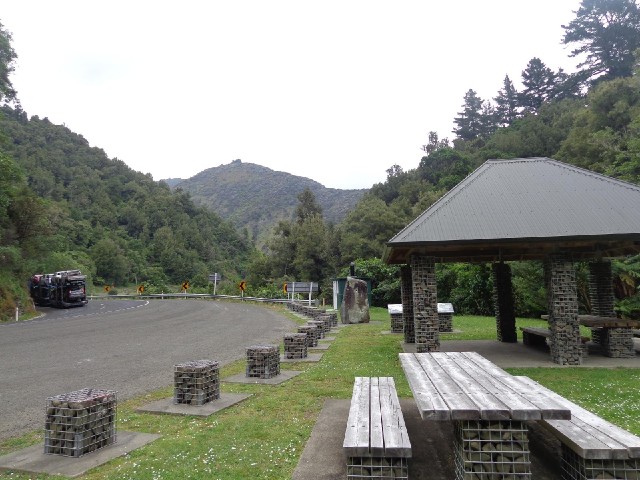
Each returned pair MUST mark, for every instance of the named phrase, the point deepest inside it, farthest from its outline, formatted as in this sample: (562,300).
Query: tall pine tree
(469,123)
(506,103)
(539,85)
(608,33)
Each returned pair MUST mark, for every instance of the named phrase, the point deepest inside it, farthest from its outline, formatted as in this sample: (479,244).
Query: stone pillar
(601,289)
(406,289)
(562,295)
(425,303)
(616,342)
(503,301)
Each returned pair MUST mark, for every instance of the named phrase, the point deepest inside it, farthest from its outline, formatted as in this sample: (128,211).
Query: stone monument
(355,302)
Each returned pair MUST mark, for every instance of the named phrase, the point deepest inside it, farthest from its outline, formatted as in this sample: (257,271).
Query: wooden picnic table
(614,335)
(593,321)
(489,408)
(467,386)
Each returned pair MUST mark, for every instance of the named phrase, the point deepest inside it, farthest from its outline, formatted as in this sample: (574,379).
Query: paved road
(127,346)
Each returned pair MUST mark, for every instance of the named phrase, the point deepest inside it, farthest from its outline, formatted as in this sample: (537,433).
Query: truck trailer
(62,289)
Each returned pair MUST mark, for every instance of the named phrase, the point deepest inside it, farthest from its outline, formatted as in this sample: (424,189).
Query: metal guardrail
(165,296)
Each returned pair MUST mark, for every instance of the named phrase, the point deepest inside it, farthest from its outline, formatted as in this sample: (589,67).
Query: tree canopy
(7,65)
(607,32)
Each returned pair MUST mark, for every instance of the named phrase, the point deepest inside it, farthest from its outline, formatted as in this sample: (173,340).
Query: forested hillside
(67,205)
(256,198)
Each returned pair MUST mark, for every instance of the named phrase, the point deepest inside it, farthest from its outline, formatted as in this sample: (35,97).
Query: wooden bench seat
(538,336)
(592,445)
(535,335)
(376,433)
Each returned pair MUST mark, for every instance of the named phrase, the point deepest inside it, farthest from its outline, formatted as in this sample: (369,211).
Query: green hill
(256,198)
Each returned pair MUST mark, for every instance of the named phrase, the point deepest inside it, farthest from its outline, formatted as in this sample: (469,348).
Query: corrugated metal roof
(527,198)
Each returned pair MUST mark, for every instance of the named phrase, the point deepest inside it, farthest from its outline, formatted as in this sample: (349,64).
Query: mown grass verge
(264,436)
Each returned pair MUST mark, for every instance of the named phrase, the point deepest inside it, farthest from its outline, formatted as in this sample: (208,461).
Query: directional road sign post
(215,278)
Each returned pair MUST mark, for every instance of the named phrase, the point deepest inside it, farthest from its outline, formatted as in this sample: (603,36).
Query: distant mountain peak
(256,197)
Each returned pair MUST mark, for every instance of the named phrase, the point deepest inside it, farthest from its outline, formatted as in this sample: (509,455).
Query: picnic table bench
(376,442)
(613,334)
(591,446)
(537,336)
(490,409)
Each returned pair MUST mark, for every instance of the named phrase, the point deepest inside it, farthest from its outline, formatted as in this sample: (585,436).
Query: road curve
(127,346)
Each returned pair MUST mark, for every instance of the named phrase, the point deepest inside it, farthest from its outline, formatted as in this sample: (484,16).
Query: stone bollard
(196,383)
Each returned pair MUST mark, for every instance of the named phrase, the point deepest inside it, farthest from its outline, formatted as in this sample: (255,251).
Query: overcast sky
(337,91)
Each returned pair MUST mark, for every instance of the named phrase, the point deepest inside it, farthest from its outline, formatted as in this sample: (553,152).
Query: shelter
(521,209)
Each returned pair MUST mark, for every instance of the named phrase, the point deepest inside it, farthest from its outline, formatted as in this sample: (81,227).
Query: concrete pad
(311,357)
(166,405)
(33,460)
(513,355)
(389,332)
(277,380)
(329,338)
(431,447)
(321,346)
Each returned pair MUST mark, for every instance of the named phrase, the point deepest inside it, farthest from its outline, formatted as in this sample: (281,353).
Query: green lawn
(264,436)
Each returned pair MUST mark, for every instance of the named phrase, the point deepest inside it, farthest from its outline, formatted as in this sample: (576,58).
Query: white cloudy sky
(337,91)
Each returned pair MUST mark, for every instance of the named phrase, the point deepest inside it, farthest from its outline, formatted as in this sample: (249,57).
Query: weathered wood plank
(396,438)
(594,321)
(356,439)
(376,439)
(549,407)
(469,384)
(540,331)
(461,406)
(430,403)
(589,435)
(519,407)
(375,427)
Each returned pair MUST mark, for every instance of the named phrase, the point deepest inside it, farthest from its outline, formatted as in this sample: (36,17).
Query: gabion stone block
(406,291)
(295,345)
(425,304)
(378,468)
(618,342)
(327,322)
(562,298)
(80,422)
(397,324)
(319,325)
(263,361)
(446,322)
(487,449)
(574,467)
(196,383)
(312,334)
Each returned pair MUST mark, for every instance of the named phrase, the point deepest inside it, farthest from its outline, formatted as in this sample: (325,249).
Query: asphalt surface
(126,346)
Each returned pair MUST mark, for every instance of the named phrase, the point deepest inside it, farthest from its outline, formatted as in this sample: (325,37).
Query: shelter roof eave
(483,250)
